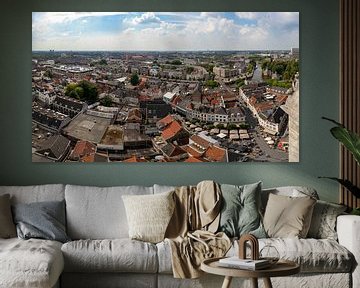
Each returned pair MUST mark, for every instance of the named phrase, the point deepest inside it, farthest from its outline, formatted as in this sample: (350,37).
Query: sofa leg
(254,282)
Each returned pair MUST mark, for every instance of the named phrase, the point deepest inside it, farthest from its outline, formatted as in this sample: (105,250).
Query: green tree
(251,66)
(90,91)
(49,74)
(282,83)
(134,80)
(84,91)
(189,70)
(106,101)
(103,62)
(239,83)
(231,126)
(176,62)
(265,64)
(212,83)
(69,88)
(244,126)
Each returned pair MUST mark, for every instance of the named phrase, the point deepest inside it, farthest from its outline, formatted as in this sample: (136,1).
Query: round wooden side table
(281,268)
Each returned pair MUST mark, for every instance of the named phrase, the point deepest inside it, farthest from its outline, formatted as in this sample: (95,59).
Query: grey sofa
(101,254)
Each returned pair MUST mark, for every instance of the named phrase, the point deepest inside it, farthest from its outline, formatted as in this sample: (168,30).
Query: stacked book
(248,264)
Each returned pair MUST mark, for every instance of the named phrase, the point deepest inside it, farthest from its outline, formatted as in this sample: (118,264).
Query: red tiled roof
(215,154)
(252,100)
(194,160)
(83,148)
(214,102)
(135,159)
(166,120)
(88,158)
(171,130)
(176,100)
(192,151)
(200,141)
(263,106)
(281,99)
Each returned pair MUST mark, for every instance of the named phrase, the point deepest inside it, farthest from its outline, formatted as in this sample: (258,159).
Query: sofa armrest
(348,230)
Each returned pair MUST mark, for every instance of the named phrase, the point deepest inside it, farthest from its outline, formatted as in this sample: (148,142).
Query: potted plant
(351,141)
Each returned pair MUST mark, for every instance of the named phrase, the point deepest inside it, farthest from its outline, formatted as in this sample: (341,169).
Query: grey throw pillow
(7,226)
(323,222)
(240,213)
(44,220)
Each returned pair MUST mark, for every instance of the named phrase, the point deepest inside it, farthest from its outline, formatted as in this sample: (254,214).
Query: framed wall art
(165,87)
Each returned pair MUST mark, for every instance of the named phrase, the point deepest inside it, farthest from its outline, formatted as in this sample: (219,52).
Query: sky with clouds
(163,31)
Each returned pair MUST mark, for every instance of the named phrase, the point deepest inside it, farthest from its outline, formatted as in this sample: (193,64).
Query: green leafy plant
(351,142)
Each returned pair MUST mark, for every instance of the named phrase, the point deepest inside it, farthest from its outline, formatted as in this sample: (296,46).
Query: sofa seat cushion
(30,263)
(115,255)
(313,255)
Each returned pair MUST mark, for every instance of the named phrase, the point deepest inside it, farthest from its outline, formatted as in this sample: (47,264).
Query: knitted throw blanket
(191,231)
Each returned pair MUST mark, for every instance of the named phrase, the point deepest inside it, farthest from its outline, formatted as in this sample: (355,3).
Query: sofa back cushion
(98,213)
(290,191)
(288,217)
(34,193)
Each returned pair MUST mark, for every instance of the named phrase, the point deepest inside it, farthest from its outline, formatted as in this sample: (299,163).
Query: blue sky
(165,30)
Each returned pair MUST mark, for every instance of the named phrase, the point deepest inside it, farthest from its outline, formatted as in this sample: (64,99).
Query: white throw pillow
(149,215)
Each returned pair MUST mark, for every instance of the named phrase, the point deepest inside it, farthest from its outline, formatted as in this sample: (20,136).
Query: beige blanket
(192,227)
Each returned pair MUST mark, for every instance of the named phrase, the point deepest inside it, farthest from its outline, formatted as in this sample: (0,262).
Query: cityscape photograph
(165,87)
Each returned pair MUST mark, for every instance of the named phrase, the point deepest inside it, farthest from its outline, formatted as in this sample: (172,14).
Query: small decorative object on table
(241,261)
(280,268)
(254,246)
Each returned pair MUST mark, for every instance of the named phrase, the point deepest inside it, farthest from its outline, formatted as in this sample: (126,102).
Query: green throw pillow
(240,213)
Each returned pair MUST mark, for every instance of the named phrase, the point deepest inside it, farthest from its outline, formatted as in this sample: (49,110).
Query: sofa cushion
(43,220)
(149,215)
(323,222)
(291,191)
(34,193)
(30,263)
(313,255)
(117,255)
(98,213)
(287,216)
(7,226)
(163,188)
(240,210)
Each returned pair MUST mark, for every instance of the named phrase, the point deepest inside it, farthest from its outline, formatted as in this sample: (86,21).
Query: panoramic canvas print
(165,87)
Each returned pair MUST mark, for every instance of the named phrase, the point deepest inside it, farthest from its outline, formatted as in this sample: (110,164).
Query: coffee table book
(236,262)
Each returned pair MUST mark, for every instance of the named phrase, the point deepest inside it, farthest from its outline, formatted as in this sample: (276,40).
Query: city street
(275,155)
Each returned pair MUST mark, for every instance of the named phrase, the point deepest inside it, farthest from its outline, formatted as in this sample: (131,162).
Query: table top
(281,268)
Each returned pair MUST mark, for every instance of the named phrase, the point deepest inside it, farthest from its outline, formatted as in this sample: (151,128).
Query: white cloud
(148,17)
(180,31)
(210,25)
(247,15)
(61,17)
(45,23)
